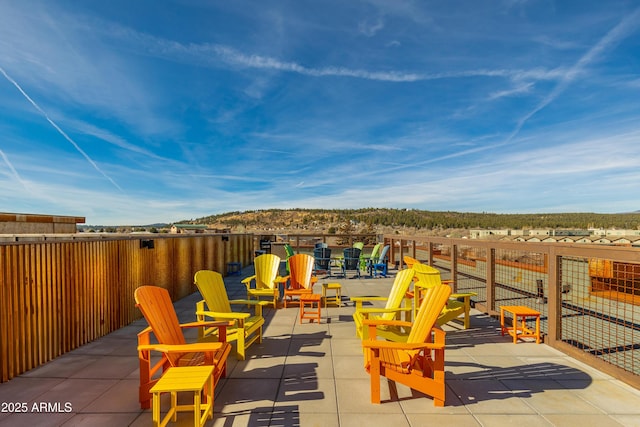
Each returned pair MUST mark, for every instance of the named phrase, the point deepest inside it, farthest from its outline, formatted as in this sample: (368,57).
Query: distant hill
(385,220)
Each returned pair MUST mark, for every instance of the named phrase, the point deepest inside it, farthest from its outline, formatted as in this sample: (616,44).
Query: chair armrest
(283,279)
(247,280)
(248,302)
(464,296)
(232,315)
(383,310)
(378,322)
(401,346)
(368,298)
(184,348)
(359,300)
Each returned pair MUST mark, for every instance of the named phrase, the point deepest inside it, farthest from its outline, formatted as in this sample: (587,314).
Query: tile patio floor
(312,375)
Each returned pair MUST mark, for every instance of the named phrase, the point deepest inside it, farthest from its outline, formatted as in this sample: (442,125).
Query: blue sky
(156,111)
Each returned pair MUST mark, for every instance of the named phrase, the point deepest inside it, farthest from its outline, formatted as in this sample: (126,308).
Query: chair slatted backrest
(157,308)
(383,255)
(430,308)
(409,261)
(351,258)
(288,250)
(211,287)
(426,275)
(398,291)
(301,266)
(375,251)
(322,258)
(266,268)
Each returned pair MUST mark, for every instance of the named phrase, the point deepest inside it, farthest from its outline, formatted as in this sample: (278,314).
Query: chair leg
(240,347)
(374,373)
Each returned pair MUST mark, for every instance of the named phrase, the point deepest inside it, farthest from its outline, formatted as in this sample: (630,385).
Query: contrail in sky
(77,147)
(13,170)
(624,28)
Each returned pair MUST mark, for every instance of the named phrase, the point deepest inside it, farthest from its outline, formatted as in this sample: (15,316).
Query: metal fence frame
(553,255)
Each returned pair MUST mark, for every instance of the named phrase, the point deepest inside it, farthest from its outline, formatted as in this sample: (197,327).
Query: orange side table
(310,307)
(520,312)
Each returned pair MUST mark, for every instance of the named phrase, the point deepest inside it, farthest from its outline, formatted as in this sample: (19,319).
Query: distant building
(17,223)
(629,237)
(614,232)
(487,234)
(188,228)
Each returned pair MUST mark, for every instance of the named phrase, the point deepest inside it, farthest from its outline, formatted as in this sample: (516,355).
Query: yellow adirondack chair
(246,329)
(168,339)
(393,307)
(419,362)
(459,304)
(266,273)
(300,280)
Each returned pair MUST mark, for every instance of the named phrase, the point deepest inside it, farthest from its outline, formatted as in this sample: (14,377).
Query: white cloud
(515,91)
(370,28)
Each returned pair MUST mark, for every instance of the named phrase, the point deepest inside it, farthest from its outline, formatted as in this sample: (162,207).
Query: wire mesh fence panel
(471,272)
(521,279)
(601,309)
(442,259)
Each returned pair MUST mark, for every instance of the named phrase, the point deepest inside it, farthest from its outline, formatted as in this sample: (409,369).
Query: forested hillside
(412,218)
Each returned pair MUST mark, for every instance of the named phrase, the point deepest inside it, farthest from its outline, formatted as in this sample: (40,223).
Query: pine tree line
(420,219)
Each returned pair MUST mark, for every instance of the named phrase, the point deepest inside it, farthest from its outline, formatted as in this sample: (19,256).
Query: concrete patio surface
(312,375)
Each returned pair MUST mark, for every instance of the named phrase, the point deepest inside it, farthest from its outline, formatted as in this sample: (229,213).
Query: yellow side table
(187,378)
(337,298)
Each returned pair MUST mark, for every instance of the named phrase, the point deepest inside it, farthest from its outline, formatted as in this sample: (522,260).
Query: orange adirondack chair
(409,261)
(392,308)
(264,279)
(417,363)
(245,330)
(300,280)
(156,306)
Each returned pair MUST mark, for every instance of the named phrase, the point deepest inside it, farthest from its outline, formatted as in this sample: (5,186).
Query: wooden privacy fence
(56,296)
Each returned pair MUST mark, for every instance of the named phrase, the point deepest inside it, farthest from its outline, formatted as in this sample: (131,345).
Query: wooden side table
(185,378)
(337,298)
(310,307)
(520,312)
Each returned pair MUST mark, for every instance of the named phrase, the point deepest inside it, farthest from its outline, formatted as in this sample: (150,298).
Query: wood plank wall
(57,296)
